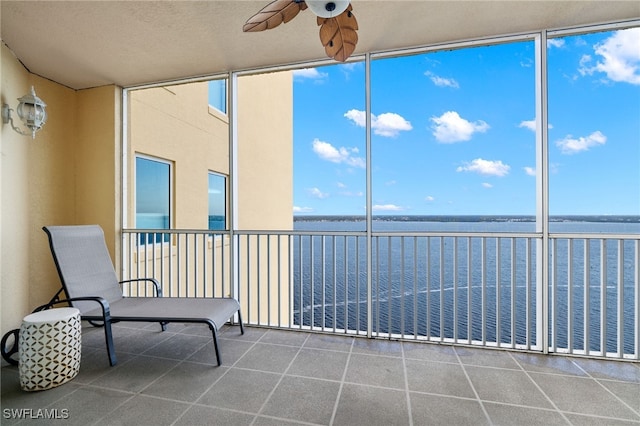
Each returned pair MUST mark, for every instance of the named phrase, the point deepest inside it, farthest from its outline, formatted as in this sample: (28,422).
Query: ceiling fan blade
(274,14)
(339,35)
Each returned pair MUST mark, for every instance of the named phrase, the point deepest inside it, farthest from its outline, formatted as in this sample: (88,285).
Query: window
(153,196)
(218,95)
(593,132)
(217,201)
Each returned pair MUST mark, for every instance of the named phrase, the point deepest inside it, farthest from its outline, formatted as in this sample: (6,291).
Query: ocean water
(469,287)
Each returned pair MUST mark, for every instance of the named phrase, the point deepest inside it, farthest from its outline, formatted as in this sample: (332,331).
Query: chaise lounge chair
(90,285)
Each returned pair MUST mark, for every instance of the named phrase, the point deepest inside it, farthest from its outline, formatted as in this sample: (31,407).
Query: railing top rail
(363,233)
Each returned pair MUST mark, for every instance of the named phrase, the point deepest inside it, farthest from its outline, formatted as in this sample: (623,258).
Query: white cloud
(555,42)
(531,125)
(487,185)
(429,198)
(485,167)
(311,73)
(442,81)
(297,209)
(531,171)
(388,124)
(386,207)
(328,152)
(352,193)
(316,193)
(570,145)
(619,57)
(451,128)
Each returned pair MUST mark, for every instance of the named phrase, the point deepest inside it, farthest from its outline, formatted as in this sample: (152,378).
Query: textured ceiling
(83,44)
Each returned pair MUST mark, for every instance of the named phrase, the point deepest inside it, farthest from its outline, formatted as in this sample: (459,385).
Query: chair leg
(108,335)
(240,322)
(215,344)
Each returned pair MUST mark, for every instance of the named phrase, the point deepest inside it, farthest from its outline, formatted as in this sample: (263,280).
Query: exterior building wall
(65,176)
(175,124)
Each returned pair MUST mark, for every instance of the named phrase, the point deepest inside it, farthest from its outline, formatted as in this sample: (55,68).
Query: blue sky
(453,132)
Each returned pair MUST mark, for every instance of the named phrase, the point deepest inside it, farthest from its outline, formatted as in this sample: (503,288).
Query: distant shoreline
(468,218)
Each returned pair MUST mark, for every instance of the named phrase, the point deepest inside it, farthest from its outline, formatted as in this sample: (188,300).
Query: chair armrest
(155,282)
(104,305)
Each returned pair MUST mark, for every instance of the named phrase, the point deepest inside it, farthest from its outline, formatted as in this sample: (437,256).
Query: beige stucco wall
(61,177)
(265,151)
(175,123)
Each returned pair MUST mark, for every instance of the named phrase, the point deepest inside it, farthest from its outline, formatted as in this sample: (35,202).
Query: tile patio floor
(274,377)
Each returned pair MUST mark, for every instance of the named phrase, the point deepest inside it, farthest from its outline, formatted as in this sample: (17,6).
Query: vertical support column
(542,195)
(369,192)
(232,96)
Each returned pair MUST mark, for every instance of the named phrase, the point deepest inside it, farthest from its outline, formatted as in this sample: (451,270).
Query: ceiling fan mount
(338,25)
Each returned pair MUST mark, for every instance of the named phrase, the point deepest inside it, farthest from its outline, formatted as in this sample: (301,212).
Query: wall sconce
(31,111)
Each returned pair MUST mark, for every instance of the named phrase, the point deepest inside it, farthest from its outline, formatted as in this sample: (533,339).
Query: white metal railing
(480,289)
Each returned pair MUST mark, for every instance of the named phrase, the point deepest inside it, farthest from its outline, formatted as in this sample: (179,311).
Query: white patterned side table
(49,348)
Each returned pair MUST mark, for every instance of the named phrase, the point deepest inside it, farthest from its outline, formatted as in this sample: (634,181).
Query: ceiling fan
(337,23)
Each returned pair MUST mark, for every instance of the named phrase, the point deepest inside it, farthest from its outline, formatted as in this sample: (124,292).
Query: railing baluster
(603,297)
(586,297)
(620,291)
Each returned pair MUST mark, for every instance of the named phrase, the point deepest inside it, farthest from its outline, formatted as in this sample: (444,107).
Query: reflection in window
(218,95)
(217,201)
(152,196)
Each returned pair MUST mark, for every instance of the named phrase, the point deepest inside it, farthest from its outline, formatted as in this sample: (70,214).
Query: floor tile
(303,399)
(376,370)
(186,382)
(88,404)
(506,386)
(486,357)
(268,357)
(178,346)
(242,390)
(627,392)
(230,352)
(509,415)
(429,352)
(201,415)
(135,374)
(377,347)
(282,337)
(582,395)
(548,364)
(326,341)
(368,406)
(615,370)
(441,410)
(319,364)
(145,411)
(438,378)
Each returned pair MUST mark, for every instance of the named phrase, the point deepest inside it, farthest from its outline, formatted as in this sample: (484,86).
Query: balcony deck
(277,377)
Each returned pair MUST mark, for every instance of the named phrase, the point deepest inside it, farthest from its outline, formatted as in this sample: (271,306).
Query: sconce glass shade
(31,111)
(327,9)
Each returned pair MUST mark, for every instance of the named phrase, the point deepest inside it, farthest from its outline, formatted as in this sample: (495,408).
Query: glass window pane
(152,194)
(594,136)
(329,158)
(452,140)
(218,95)
(217,201)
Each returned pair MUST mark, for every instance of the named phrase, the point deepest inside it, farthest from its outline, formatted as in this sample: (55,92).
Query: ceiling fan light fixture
(327,9)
